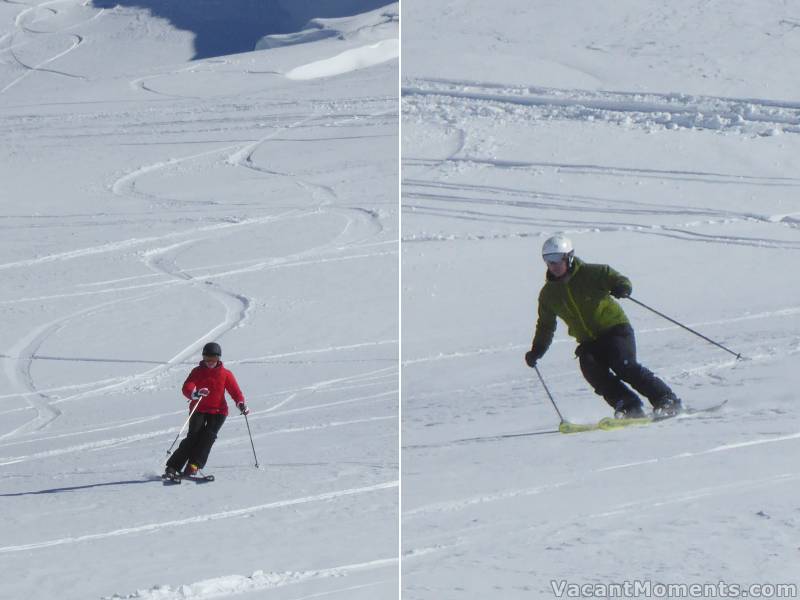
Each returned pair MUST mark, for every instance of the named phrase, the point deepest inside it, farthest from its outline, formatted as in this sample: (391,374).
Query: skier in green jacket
(580,294)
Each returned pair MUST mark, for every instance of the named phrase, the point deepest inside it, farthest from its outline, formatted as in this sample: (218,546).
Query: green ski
(606,424)
(612,424)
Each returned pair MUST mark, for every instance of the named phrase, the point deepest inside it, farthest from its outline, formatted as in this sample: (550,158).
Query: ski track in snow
(23,354)
(330,400)
(454,190)
(112,247)
(465,503)
(47,411)
(259,580)
(353,382)
(22,28)
(788,311)
(424,198)
(236,306)
(633,511)
(452,103)
(637,510)
(443,99)
(312,256)
(158,436)
(158,259)
(373,376)
(324,497)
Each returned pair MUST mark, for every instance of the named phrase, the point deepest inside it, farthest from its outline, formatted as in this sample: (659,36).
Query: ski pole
(549,395)
(251,439)
(182,428)
(671,320)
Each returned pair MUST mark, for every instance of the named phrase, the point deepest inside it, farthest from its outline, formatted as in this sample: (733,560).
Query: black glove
(621,291)
(531,357)
(243,408)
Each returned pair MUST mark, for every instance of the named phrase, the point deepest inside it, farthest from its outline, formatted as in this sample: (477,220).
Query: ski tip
(688,410)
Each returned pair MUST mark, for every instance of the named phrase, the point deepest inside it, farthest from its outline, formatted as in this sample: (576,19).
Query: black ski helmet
(212,349)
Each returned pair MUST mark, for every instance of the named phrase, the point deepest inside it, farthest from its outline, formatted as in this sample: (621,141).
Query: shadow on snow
(224,27)
(82,487)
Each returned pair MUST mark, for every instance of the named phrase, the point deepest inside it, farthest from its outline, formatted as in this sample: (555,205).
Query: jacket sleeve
(545,327)
(616,281)
(189,385)
(232,387)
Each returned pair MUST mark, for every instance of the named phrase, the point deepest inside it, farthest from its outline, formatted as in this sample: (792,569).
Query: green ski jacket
(581,299)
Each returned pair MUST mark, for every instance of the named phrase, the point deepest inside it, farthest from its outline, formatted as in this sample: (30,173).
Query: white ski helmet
(556,248)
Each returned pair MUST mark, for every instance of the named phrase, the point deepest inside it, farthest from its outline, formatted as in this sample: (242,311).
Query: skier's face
(558,268)
(210,360)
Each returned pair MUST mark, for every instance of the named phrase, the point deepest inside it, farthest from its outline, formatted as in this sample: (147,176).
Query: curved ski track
(359,227)
(23,29)
(22,355)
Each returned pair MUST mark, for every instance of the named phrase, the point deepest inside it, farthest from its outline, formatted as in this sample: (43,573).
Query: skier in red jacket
(205,388)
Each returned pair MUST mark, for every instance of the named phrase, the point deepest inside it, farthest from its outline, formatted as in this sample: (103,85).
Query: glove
(201,393)
(621,291)
(532,356)
(243,408)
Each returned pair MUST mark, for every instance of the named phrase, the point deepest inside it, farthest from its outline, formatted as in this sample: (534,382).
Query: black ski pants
(195,447)
(609,362)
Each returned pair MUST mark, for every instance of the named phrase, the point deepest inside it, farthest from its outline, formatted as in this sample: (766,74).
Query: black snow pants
(609,362)
(194,448)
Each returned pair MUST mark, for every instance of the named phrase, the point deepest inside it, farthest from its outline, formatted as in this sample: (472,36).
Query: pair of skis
(177,479)
(611,424)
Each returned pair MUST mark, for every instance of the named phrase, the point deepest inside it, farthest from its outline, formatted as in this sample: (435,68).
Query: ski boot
(171,474)
(634,411)
(667,407)
(190,470)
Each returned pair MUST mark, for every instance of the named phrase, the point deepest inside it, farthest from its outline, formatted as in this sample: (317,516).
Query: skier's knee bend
(627,369)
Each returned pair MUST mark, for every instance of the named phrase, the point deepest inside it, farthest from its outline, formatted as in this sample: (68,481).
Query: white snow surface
(663,138)
(372,26)
(152,203)
(349,60)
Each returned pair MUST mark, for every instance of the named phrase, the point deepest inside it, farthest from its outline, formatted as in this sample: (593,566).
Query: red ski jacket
(218,381)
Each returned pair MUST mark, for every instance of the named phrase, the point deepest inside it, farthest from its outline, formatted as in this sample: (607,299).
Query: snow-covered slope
(373,26)
(151,203)
(663,139)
